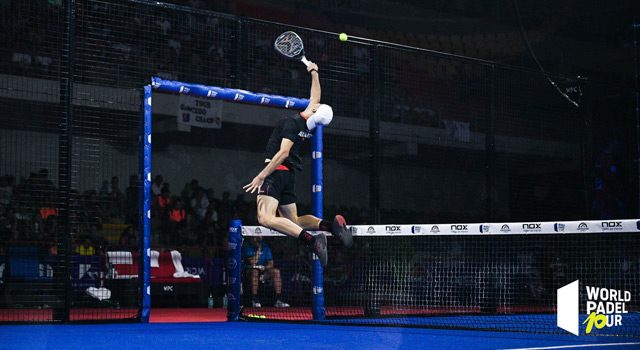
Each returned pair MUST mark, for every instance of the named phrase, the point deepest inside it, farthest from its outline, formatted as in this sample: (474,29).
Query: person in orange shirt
(176,223)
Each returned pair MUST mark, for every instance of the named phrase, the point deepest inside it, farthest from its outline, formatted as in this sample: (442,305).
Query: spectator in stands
(118,199)
(175,222)
(199,205)
(126,242)
(161,203)
(85,248)
(164,24)
(43,185)
(132,193)
(22,223)
(9,226)
(259,268)
(6,192)
(156,186)
(212,199)
(209,230)
(225,210)
(90,211)
(189,190)
(240,207)
(45,221)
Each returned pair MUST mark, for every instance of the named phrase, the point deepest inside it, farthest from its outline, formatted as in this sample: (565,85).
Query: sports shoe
(255,303)
(340,230)
(280,303)
(320,248)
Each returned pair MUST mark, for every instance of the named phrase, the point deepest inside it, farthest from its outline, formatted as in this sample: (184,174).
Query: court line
(574,346)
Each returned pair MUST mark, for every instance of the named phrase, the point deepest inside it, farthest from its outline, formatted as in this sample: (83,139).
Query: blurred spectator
(209,226)
(225,211)
(175,222)
(46,220)
(199,206)
(127,241)
(43,184)
(164,24)
(90,211)
(6,192)
(132,194)
(86,248)
(240,207)
(113,200)
(156,186)
(189,190)
(211,198)
(9,223)
(161,203)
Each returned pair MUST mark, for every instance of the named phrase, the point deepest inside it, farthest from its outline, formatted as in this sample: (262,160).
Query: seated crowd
(194,221)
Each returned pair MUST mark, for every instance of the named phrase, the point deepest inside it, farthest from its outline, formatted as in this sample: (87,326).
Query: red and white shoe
(340,230)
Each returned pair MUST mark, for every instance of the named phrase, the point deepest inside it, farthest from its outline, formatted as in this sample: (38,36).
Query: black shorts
(281,185)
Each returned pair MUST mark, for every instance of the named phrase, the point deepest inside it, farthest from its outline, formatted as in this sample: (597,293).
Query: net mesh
(506,281)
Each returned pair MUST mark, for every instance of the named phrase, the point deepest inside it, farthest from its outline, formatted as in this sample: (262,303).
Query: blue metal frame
(233,258)
(317,300)
(144,206)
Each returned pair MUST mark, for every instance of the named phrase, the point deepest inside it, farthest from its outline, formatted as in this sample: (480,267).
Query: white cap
(322,116)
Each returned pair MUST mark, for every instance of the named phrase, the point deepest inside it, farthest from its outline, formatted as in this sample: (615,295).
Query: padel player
(276,182)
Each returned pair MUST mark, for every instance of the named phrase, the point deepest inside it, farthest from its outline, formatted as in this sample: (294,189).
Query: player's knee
(265,219)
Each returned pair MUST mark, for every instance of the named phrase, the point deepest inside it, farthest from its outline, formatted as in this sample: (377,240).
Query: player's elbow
(284,153)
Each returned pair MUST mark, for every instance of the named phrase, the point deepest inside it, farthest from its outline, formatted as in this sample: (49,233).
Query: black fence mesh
(419,136)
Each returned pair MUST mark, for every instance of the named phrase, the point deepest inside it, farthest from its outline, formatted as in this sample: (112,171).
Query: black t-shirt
(295,129)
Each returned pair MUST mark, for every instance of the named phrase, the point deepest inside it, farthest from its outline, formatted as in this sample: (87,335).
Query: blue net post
(144,206)
(234,267)
(317,301)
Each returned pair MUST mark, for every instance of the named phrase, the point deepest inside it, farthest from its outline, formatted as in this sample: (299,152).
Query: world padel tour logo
(605,307)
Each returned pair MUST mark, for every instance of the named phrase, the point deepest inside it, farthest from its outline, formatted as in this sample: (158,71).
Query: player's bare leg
(338,227)
(267,207)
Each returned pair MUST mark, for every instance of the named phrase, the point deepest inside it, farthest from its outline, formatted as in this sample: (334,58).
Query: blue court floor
(267,336)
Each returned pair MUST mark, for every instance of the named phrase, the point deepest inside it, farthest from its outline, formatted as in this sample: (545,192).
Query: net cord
(480,229)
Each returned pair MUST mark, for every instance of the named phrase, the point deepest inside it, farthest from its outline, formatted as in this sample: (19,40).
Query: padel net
(489,276)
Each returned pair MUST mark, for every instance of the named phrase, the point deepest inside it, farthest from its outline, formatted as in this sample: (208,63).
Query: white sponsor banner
(199,112)
(466,229)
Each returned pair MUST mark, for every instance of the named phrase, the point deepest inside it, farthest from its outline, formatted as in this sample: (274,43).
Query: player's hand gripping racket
(289,45)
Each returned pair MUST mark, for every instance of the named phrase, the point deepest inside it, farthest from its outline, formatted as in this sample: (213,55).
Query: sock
(254,297)
(325,226)
(306,238)
(278,296)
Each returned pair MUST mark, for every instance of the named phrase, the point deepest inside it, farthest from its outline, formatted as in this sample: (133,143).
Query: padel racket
(289,45)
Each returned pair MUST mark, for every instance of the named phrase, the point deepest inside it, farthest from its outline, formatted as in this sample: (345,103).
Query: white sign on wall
(199,112)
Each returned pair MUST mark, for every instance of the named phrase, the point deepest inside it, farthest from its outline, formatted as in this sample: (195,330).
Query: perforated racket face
(290,45)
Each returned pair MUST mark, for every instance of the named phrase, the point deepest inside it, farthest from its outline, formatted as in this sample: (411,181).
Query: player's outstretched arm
(279,157)
(316,91)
